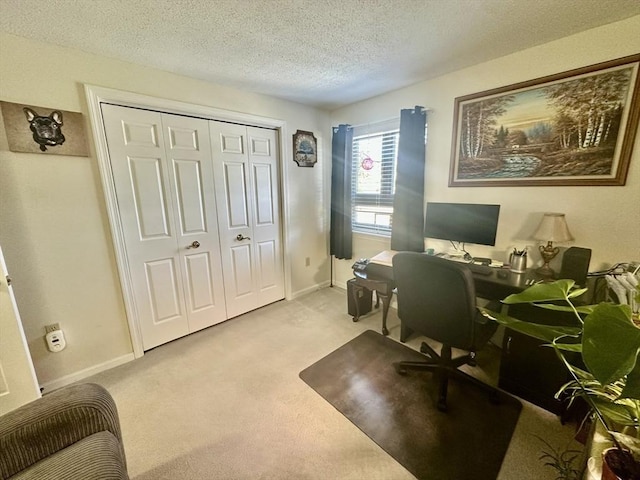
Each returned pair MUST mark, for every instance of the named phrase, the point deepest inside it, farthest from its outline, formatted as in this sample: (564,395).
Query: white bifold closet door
(163,177)
(199,209)
(246,176)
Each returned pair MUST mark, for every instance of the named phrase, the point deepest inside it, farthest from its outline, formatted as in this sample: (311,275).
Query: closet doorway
(197,215)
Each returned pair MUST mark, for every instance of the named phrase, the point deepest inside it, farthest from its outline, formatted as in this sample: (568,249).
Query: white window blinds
(375,151)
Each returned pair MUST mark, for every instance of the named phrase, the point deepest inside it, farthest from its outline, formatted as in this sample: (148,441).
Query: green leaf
(610,342)
(632,385)
(577,292)
(542,292)
(569,347)
(617,413)
(632,443)
(585,309)
(547,333)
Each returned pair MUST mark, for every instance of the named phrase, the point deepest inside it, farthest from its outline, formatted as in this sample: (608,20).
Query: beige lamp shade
(553,227)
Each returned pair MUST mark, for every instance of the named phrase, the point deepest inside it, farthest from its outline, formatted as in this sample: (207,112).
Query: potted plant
(562,461)
(609,343)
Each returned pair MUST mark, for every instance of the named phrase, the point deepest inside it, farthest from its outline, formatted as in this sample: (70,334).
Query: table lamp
(553,228)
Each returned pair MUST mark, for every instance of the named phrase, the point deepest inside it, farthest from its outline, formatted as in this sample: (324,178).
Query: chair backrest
(436,298)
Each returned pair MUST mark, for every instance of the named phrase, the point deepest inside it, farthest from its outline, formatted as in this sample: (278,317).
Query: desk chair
(436,298)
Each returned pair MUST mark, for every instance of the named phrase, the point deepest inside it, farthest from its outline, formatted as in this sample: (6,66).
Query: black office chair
(436,298)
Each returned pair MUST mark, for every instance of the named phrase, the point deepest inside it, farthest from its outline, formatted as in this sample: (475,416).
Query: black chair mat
(398,412)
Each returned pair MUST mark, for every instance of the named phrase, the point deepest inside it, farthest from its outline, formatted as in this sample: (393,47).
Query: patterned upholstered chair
(72,433)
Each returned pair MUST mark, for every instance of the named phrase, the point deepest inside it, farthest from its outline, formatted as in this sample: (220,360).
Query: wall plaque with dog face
(33,129)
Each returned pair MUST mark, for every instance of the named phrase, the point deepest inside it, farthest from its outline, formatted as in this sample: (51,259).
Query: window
(375,151)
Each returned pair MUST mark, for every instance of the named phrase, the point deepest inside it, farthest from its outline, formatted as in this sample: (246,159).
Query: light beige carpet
(227,403)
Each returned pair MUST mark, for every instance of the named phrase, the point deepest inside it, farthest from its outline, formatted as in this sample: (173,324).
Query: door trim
(95,97)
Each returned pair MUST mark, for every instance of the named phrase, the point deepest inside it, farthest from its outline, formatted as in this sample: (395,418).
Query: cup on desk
(518,263)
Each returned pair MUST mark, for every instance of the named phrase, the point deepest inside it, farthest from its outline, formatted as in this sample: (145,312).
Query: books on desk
(383,258)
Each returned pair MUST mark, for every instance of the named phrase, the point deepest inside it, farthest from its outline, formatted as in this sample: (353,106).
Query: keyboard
(480,269)
(474,267)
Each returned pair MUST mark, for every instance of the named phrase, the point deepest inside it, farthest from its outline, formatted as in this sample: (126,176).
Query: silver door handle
(194,244)
(240,237)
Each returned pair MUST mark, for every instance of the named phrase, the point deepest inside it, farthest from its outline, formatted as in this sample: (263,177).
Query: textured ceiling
(325,53)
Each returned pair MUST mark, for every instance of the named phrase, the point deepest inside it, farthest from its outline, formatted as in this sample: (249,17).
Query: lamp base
(545,271)
(547,253)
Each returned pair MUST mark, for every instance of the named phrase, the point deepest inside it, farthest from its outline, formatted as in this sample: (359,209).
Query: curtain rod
(383,121)
(392,119)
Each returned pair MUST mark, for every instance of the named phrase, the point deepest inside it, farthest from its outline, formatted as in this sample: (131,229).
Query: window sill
(376,236)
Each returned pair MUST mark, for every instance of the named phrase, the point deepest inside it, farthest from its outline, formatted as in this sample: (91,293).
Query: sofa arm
(52,423)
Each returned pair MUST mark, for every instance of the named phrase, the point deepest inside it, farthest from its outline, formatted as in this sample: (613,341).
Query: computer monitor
(462,222)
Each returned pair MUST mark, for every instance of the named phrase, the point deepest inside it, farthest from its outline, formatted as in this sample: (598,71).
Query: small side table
(384,291)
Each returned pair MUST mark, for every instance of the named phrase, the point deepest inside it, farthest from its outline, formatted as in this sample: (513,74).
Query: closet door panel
(189,152)
(235,213)
(142,180)
(163,290)
(190,196)
(235,195)
(264,187)
(201,296)
(146,179)
(266,221)
(242,266)
(268,265)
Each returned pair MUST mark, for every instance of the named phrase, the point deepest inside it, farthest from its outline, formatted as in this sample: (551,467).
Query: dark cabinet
(529,369)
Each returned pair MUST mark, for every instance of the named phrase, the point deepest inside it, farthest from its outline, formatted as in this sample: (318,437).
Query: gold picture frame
(572,128)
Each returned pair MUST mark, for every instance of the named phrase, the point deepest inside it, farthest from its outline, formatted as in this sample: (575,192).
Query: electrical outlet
(307,262)
(51,328)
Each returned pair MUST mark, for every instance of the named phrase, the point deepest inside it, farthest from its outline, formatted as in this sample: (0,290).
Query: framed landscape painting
(573,128)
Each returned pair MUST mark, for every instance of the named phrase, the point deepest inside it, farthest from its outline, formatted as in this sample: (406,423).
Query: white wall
(605,219)
(53,223)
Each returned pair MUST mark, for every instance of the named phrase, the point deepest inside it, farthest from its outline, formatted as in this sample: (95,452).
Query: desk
(502,282)
(378,277)
(526,368)
(384,291)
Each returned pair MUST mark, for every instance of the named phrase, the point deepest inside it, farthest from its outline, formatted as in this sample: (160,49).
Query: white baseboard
(310,289)
(87,372)
(341,285)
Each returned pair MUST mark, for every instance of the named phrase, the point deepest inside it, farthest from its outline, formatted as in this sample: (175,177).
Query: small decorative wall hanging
(305,148)
(34,129)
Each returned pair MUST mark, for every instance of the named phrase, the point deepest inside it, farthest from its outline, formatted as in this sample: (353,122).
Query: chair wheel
(472,359)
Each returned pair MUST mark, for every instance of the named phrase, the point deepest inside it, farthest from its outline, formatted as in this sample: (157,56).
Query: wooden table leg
(386,300)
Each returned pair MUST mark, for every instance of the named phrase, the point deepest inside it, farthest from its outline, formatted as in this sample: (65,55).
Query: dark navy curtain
(407,230)
(340,237)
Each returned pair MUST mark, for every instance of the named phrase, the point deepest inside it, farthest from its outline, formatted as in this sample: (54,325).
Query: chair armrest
(50,424)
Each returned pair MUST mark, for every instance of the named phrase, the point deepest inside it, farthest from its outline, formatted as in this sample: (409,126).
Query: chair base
(446,367)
